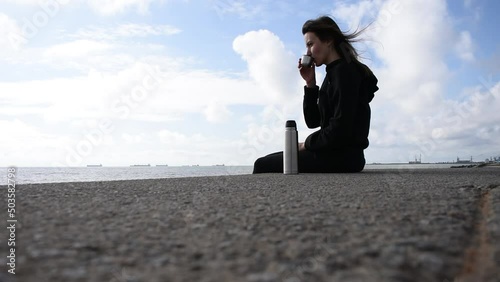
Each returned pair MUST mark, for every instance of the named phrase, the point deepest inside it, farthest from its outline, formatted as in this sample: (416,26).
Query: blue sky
(210,82)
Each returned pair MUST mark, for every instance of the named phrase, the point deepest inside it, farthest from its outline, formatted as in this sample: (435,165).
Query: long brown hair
(326,29)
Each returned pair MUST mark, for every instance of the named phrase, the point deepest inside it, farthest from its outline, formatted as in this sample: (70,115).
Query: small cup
(307,61)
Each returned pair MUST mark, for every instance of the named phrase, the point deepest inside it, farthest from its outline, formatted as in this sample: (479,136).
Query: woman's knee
(258,165)
(269,163)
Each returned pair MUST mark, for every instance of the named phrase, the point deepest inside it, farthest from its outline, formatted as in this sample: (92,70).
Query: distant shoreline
(215,165)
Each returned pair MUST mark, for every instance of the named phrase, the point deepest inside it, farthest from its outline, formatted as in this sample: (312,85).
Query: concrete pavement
(378,225)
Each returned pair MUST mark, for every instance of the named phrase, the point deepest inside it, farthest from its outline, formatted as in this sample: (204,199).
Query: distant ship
(162,165)
(141,165)
(219,165)
(459,161)
(419,161)
(94,165)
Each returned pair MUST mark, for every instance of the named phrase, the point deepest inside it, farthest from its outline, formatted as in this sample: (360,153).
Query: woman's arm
(311,91)
(310,107)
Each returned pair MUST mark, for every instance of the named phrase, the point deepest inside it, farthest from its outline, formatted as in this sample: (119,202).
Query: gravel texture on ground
(378,225)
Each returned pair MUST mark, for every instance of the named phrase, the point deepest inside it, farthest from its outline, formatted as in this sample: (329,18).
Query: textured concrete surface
(379,225)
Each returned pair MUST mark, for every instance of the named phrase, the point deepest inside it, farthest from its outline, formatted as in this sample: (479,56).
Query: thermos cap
(290,123)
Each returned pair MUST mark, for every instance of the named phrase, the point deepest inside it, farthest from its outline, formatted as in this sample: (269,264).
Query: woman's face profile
(318,50)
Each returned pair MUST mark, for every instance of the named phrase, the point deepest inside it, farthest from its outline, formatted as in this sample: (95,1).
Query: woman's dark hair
(326,29)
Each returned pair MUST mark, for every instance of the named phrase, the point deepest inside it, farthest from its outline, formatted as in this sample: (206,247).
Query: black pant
(349,160)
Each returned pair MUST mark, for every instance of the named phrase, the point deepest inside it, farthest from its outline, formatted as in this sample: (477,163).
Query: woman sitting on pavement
(340,107)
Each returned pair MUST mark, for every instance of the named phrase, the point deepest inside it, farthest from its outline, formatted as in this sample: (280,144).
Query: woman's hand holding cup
(306,68)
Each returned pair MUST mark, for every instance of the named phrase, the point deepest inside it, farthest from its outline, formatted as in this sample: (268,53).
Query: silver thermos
(291,152)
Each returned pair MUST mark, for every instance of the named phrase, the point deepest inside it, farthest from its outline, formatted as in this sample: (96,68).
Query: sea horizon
(35,175)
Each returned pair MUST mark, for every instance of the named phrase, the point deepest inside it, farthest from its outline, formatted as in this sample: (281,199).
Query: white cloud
(27,141)
(216,113)
(133,139)
(145,30)
(10,34)
(172,90)
(24,133)
(172,138)
(141,91)
(56,99)
(270,65)
(182,149)
(356,14)
(467,3)
(125,31)
(194,91)
(27,2)
(414,70)
(464,47)
(78,48)
(112,7)
(243,9)
(103,7)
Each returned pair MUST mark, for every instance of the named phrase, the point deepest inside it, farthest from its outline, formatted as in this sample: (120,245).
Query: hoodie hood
(359,70)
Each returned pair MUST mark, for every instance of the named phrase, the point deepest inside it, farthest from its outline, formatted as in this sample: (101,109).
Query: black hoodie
(340,107)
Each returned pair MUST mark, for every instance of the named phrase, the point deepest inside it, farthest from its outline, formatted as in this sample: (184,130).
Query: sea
(33,175)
